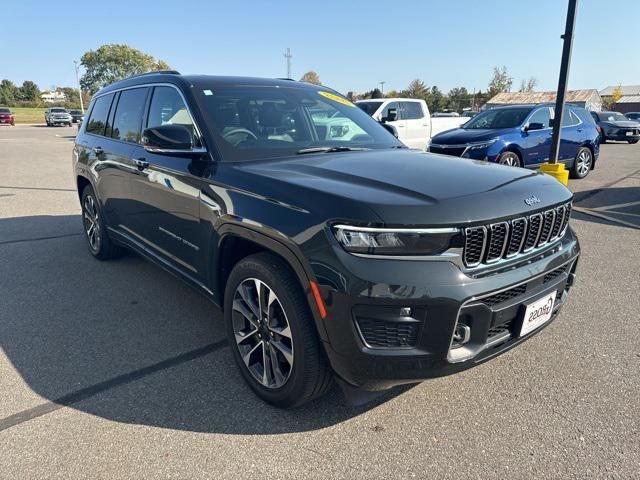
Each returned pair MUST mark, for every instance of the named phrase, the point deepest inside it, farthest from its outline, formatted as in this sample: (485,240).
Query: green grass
(28,115)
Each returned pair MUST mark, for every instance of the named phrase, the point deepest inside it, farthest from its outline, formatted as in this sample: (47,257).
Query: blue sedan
(520,136)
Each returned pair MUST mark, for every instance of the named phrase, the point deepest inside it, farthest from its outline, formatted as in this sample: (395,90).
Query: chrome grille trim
(508,239)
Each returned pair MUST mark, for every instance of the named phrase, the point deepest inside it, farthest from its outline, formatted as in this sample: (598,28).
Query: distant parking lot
(119,368)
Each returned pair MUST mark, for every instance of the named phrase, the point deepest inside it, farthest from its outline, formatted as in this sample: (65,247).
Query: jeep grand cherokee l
(332,249)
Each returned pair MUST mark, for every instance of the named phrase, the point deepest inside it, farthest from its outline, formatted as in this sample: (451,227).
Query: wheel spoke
(247,357)
(282,331)
(284,350)
(242,337)
(267,374)
(241,307)
(275,367)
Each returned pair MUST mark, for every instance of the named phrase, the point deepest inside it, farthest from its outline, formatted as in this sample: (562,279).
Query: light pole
(554,168)
(75,63)
(288,56)
(382,87)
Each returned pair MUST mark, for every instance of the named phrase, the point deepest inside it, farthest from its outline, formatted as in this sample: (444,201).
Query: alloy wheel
(510,160)
(91,222)
(262,333)
(584,163)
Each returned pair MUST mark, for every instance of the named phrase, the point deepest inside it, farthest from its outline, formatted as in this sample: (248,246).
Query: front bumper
(623,134)
(373,347)
(60,120)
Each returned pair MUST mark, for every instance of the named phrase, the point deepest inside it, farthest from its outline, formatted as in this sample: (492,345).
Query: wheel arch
(81,183)
(237,242)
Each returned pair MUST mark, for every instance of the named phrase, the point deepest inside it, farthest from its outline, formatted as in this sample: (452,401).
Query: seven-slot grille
(490,243)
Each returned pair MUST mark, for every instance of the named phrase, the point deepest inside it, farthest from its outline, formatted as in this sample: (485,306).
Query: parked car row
(616,126)
(61,116)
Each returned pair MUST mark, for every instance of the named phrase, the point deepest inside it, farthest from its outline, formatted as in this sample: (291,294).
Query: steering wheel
(236,131)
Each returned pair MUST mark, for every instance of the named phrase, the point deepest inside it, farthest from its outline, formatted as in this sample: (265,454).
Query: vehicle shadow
(606,205)
(126,341)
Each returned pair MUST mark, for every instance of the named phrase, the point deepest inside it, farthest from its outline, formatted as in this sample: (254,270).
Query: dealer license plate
(538,313)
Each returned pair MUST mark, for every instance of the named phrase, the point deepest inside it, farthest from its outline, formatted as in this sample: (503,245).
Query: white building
(53,96)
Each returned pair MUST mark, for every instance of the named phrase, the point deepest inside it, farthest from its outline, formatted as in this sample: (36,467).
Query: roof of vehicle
(520,98)
(395,99)
(210,81)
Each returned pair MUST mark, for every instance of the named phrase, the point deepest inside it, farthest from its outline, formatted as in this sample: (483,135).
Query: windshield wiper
(330,149)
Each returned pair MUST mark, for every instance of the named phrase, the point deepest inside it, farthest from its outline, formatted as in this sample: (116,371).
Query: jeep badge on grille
(532,200)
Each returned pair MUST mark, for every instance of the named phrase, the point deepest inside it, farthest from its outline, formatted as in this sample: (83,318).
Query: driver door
(537,143)
(399,124)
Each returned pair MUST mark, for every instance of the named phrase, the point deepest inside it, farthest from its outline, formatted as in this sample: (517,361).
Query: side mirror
(392,115)
(170,139)
(534,126)
(390,129)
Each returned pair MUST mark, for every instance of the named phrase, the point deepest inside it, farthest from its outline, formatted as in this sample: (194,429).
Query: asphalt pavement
(118,370)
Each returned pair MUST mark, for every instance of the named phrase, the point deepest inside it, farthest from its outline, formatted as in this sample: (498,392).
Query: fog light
(461,335)
(405,312)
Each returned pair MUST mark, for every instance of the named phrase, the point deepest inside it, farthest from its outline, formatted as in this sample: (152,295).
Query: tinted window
(99,113)
(595,116)
(5,110)
(411,110)
(267,121)
(168,108)
(569,119)
(541,116)
(498,118)
(369,107)
(128,116)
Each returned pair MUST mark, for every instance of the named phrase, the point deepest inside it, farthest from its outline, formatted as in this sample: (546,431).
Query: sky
(352,45)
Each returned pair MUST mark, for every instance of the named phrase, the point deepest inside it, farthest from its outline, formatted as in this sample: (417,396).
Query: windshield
(5,110)
(369,107)
(257,122)
(74,112)
(58,110)
(498,118)
(612,117)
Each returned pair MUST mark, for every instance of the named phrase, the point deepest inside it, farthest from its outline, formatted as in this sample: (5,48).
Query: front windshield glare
(251,123)
(613,117)
(498,118)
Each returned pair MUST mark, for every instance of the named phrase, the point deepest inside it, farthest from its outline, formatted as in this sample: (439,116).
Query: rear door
(418,128)
(571,136)
(166,191)
(110,160)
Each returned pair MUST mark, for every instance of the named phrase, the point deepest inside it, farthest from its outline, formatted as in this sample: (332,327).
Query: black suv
(332,249)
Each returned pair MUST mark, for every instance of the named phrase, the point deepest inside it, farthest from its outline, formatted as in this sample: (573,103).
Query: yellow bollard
(556,170)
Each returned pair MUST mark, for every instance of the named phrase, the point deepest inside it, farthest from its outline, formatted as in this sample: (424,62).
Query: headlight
(389,241)
(478,146)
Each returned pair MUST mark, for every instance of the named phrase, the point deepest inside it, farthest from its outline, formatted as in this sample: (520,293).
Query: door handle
(141,163)
(98,150)
(579,129)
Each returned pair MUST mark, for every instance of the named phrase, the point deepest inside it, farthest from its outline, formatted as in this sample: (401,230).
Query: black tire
(309,375)
(582,164)
(99,243)
(633,141)
(510,159)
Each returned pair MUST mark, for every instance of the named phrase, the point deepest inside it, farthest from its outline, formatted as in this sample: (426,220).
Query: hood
(403,187)
(622,124)
(459,136)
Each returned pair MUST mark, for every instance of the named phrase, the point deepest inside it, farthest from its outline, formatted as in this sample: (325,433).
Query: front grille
(383,334)
(491,243)
(555,273)
(455,151)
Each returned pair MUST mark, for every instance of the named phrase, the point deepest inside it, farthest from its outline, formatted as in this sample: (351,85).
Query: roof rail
(170,72)
(284,78)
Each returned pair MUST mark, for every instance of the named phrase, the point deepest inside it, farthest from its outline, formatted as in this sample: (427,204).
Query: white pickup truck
(409,118)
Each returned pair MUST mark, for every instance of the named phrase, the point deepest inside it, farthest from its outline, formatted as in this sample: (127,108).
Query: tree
(311,77)
(458,98)
(71,94)
(501,81)
(417,89)
(616,94)
(29,92)
(435,100)
(376,93)
(8,93)
(529,85)
(113,62)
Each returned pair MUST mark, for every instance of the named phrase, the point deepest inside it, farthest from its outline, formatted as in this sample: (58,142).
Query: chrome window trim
(149,85)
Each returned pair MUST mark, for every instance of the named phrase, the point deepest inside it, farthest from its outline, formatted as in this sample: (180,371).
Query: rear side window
(128,116)
(98,119)
(411,110)
(569,119)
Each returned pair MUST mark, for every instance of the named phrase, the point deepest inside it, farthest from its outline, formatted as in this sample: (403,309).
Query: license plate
(537,313)
(629,134)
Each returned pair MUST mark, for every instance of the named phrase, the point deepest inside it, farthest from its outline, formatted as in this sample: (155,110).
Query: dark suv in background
(333,250)
(520,136)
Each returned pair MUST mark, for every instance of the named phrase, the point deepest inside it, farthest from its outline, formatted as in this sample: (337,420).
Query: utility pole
(382,87)
(288,56)
(75,63)
(553,167)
